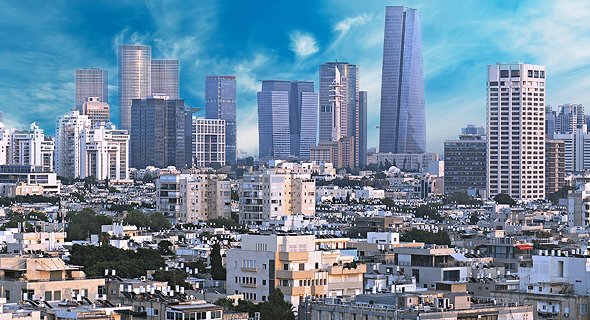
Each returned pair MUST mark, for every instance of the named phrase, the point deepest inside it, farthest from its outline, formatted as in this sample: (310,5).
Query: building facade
(92,83)
(570,117)
(362,124)
(554,165)
(465,165)
(26,147)
(516,130)
(67,143)
(134,73)
(104,153)
(402,126)
(209,142)
(220,103)
(576,149)
(273,120)
(165,78)
(95,109)
(158,132)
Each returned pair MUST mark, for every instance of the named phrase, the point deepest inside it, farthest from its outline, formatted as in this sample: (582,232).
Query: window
(263,282)
(583,308)
(302,267)
(7,295)
(48,296)
(503,73)
(57,295)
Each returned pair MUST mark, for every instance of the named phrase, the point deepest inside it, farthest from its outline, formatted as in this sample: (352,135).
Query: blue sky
(45,41)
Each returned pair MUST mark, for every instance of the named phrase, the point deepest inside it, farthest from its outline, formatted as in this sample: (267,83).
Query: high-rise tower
(274,139)
(220,103)
(516,130)
(403,118)
(165,77)
(134,79)
(92,83)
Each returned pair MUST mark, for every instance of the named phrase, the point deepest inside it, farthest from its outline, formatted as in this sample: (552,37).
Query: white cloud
(350,22)
(303,44)
(124,38)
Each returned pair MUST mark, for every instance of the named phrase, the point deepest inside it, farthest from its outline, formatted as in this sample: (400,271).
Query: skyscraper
(403,121)
(303,117)
(516,130)
(570,117)
(134,79)
(165,77)
(92,83)
(96,110)
(362,125)
(274,139)
(339,108)
(220,103)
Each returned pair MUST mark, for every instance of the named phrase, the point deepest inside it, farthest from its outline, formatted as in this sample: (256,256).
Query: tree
(147,178)
(249,161)
(214,165)
(502,198)
(217,270)
(104,238)
(461,198)
(84,223)
(276,307)
(388,202)
(173,277)
(164,248)
(159,222)
(137,218)
(425,211)
(474,219)
(441,237)
(226,303)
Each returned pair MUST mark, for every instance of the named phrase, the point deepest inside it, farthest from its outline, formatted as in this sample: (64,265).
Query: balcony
(250,269)
(292,291)
(293,256)
(248,285)
(318,290)
(361,268)
(287,274)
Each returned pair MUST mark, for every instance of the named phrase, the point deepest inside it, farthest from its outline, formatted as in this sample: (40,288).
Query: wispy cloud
(303,43)
(124,37)
(345,25)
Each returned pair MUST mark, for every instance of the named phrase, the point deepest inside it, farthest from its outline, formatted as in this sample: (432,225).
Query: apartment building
(192,197)
(293,263)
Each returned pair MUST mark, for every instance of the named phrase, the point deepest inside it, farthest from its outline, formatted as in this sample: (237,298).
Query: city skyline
(458,42)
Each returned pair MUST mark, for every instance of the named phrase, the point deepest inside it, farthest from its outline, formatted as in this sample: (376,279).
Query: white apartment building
(577,149)
(273,194)
(26,147)
(96,110)
(295,265)
(104,153)
(67,143)
(192,197)
(516,130)
(208,141)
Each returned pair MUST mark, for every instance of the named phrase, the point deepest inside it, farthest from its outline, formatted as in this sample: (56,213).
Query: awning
(524,246)
(458,257)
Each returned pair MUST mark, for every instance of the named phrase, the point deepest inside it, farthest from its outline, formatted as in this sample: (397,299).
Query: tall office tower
(554,165)
(577,149)
(104,152)
(96,110)
(516,130)
(403,119)
(303,117)
(339,108)
(550,122)
(92,83)
(208,137)
(465,164)
(220,103)
(165,78)
(569,118)
(67,143)
(362,124)
(135,66)
(158,132)
(274,139)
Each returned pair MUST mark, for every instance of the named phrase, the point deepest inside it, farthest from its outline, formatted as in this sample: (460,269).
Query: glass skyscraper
(274,138)
(303,117)
(403,118)
(134,79)
(165,77)
(92,83)
(220,103)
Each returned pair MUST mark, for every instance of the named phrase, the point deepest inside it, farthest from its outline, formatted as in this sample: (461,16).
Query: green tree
(461,198)
(147,178)
(474,219)
(388,202)
(226,303)
(104,238)
(502,198)
(249,161)
(426,211)
(276,307)
(217,270)
(84,223)
(159,222)
(173,277)
(441,237)
(164,247)
(137,218)
(214,165)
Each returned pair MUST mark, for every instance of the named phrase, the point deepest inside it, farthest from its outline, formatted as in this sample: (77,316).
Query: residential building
(406,162)
(273,120)
(209,142)
(554,165)
(509,252)
(578,206)
(570,117)
(92,82)
(96,110)
(104,153)
(134,73)
(158,132)
(11,175)
(273,194)
(26,147)
(295,265)
(465,165)
(339,116)
(36,241)
(339,153)
(576,149)
(220,103)
(67,143)
(516,130)
(402,126)
(164,78)
(50,278)
(192,197)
